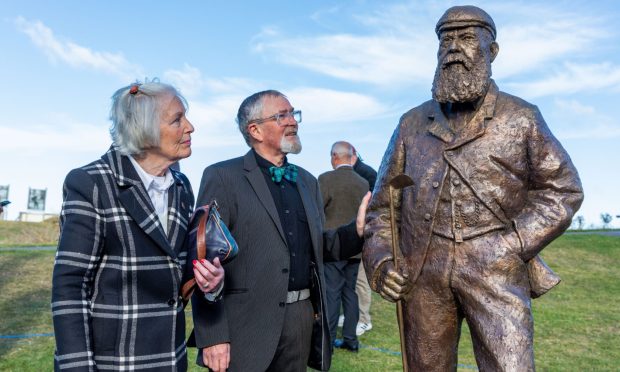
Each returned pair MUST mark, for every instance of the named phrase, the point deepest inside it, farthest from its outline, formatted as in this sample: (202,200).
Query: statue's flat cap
(465,16)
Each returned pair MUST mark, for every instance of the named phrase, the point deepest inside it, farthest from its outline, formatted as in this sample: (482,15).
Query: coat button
(456,182)
(427,217)
(435,184)
(282,304)
(171,302)
(458,202)
(284,271)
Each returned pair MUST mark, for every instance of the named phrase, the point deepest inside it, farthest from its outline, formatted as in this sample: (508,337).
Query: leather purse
(209,237)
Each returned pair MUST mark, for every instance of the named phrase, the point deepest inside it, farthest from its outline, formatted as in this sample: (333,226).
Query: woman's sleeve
(77,259)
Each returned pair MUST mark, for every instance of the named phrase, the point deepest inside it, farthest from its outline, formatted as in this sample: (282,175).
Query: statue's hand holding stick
(394,285)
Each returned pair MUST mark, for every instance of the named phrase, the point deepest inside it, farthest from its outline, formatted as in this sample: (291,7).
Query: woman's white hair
(135,115)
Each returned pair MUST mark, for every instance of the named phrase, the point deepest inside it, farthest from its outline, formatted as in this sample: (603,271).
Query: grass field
(577,324)
(19,234)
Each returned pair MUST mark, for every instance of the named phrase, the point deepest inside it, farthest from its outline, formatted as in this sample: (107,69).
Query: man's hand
(208,275)
(216,357)
(391,284)
(360,221)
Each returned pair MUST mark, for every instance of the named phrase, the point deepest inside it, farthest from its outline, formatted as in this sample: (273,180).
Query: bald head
(341,153)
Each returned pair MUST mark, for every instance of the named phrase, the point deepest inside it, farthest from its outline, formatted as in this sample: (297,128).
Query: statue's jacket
(508,157)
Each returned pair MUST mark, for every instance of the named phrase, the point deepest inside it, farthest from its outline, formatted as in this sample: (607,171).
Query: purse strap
(201,249)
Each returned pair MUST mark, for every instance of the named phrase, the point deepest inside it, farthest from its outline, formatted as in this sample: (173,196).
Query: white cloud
(390,51)
(76,55)
(380,60)
(60,132)
(527,45)
(572,78)
(189,80)
(214,121)
(397,43)
(574,107)
(326,106)
(321,13)
(576,120)
(192,83)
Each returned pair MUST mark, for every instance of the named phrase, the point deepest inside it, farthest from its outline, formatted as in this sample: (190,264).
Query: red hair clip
(134,89)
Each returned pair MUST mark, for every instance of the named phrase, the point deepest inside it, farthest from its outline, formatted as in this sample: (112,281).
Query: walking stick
(397,183)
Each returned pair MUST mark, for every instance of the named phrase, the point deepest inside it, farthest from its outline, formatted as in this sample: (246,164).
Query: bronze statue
(491,188)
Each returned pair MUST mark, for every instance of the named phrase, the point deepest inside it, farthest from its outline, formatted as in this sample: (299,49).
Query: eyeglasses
(280,118)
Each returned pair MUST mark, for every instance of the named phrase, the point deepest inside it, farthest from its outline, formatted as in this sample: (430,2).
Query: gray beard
(457,84)
(289,146)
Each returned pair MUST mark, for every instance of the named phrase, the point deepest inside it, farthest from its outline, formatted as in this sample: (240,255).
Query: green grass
(23,234)
(577,325)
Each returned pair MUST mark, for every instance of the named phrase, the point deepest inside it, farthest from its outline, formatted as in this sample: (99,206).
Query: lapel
(309,205)
(257,181)
(474,129)
(135,199)
(439,124)
(178,212)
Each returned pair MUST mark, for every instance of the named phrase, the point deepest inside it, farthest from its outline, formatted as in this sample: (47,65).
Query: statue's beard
(459,80)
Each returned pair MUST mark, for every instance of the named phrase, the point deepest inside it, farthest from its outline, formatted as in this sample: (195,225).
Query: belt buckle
(294,296)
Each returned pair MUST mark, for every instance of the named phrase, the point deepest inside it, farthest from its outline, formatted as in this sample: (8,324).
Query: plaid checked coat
(117,275)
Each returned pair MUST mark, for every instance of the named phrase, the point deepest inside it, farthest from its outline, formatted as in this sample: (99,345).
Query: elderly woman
(122,250)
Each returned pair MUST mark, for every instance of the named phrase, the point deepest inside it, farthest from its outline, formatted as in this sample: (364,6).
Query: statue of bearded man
(491,188)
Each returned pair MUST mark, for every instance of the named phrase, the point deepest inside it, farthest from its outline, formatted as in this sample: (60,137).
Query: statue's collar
(475,127)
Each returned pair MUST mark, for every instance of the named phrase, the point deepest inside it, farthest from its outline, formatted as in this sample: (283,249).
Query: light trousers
(362,288)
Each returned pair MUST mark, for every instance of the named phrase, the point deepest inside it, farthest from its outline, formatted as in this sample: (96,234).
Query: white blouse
(157,187)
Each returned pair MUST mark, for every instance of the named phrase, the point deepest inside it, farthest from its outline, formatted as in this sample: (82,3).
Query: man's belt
(294,296)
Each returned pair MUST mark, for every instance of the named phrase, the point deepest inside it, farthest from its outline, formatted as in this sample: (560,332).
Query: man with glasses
(272,315)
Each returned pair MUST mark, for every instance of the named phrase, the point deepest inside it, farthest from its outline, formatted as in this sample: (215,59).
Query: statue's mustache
(452,59)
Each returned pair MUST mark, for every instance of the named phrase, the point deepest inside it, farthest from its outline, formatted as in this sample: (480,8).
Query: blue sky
(352,67)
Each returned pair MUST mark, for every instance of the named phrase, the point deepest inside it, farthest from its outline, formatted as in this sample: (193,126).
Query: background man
(342,190)
(492,187)
(362,288)
(274,293)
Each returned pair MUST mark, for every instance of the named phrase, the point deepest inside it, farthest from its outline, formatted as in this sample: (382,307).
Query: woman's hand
(360,221)
(208,275)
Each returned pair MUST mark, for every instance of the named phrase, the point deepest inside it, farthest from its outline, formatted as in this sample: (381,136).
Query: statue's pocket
(511,239)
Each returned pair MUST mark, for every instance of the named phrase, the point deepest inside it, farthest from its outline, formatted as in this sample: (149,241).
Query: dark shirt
(294,223)
(366,172)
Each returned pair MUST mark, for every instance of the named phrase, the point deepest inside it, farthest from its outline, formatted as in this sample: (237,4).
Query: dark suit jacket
(117,275)
(251,313)
(507,155)
(366,172)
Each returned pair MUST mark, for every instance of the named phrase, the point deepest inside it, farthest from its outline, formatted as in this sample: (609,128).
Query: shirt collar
(344,165)
(264,163)
(150,181)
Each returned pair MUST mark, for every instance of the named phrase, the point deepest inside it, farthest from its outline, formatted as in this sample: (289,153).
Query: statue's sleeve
(377,232)
(554,194)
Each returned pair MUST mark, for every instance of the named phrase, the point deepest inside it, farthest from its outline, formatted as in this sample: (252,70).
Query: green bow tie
(288,171)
